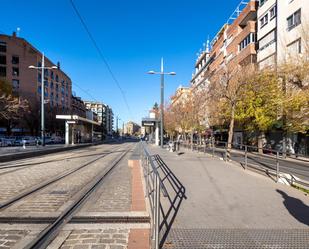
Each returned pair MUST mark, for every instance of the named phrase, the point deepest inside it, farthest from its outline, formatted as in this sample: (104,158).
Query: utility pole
(162,73)
(42,95)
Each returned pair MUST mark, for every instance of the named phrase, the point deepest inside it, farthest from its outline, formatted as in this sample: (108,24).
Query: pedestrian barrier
(160,183)
(270,161)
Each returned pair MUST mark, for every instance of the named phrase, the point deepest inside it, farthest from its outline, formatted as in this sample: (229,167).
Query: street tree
(11,107)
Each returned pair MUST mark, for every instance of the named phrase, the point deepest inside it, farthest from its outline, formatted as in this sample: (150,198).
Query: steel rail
(44,184)
(48,234)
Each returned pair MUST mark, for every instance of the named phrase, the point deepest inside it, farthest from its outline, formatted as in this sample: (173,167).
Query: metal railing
(165,194)
(269,160)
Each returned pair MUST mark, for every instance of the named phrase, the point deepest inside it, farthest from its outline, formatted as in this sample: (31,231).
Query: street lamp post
(42,95)
(162,73)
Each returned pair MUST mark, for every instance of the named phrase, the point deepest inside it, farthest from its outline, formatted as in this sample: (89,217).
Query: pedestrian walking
(296,149)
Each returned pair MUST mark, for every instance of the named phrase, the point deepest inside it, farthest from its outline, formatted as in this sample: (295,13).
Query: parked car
(6,141)
(29,140)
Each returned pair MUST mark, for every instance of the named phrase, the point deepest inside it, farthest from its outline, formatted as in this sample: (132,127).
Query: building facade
(282,30)
(181,95)
(131,128)
(104,113)
(234,44)
(16,55)
(78,107)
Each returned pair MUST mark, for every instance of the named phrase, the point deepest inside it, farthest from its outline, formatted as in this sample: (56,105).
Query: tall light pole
(42,67)
(162,73)
(117,119)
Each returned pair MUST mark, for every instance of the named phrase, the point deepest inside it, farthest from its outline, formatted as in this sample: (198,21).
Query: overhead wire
(91,37)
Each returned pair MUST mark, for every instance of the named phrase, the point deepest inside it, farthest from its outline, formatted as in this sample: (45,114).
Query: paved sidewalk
(224,199)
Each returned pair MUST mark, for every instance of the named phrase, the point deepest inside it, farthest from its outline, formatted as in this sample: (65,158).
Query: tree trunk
(231,131)
(191,139)
(261,137)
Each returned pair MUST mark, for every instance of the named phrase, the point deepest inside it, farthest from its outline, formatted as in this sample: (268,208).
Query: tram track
(57,177)
(45,237)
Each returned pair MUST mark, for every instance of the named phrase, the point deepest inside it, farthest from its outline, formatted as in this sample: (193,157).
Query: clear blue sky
(133,36)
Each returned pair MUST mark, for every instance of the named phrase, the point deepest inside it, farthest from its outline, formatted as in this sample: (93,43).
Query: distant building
(181,95)
(131,128)
(78,107)
(104,113)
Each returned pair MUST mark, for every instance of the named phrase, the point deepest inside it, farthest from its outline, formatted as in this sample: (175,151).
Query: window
(2,71)
(39,64)
(45,83)
(57,78)
(251,38)
(294,47)
(52,74)
(15,84)
(3,59)
(39,77)
(15,71)
(262,2)
(264,20)
(15,59)
(267,40)
(45,73)
(39,89)
(273,12)
(51,84)
(294,20)
(2,46)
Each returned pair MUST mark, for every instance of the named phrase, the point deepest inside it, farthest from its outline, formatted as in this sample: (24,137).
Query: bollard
(277,166)
(24,144)
(213,149)
(246,156)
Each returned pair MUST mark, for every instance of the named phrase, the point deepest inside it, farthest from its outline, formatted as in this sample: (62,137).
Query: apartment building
(16,55)
(131,128)
(104,113)
(283,28)
(78,107)
(181,95)
(234,44)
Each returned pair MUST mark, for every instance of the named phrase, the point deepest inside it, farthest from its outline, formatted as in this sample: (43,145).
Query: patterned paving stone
(97,239)
(115,194)
(13,183)
(53,197)
(8,238)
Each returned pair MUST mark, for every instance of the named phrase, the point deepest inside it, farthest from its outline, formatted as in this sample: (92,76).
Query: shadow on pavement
(173,192)
(298,209)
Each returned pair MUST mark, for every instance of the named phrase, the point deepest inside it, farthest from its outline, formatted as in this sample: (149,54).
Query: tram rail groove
(44,184)
(49,233)
(44,162)
(29,165)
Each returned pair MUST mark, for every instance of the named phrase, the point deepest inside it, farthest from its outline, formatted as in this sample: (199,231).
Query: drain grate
(238,239)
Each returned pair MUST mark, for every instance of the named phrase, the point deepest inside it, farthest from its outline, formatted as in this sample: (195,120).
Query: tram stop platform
(229,207)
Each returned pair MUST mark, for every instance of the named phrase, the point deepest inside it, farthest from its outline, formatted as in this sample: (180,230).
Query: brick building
(16,55)
(234,44)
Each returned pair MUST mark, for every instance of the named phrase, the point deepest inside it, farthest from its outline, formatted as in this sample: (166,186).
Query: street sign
(148,123)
